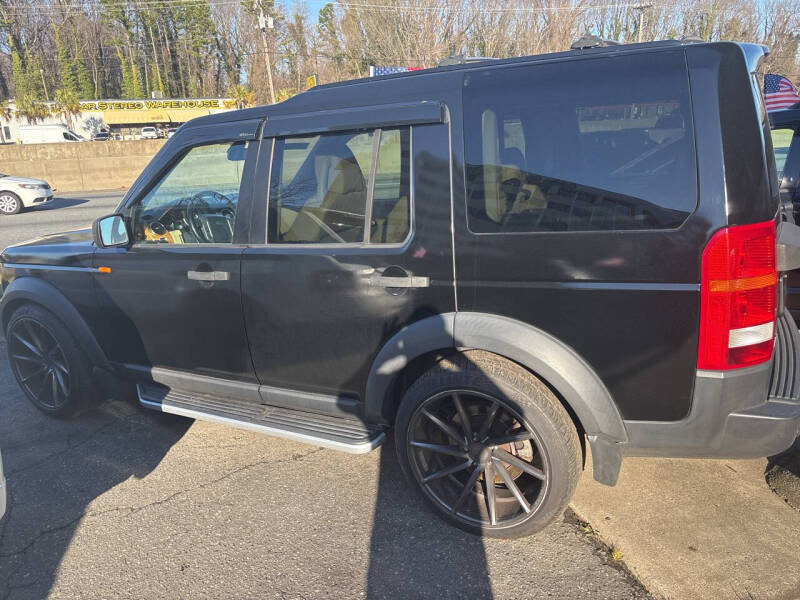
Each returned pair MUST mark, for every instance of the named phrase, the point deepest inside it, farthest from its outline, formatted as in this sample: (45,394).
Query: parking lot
(128,503)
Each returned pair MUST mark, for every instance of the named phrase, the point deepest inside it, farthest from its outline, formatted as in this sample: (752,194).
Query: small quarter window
(781,144)
(391,212)
(196,201)
(320,188)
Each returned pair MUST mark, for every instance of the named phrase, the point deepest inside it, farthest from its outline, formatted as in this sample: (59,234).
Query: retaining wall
(80,166)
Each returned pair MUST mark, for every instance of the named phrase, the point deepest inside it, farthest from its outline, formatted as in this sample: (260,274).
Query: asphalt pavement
(67,212)
(128,503)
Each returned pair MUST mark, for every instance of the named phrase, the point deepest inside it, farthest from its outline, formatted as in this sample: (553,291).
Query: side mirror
(237,152)
(110,232)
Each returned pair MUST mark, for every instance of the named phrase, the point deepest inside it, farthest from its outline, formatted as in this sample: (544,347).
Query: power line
(135,5)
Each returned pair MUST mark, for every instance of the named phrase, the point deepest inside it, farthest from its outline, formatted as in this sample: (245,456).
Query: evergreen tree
(126,81)
(33,76)
(136,82)
(65,65)
(85,83)
(18,74)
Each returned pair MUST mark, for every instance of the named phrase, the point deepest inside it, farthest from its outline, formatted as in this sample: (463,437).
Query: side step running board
(337,433)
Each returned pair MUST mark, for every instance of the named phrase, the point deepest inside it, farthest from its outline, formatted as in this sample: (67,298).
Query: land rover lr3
(502,261)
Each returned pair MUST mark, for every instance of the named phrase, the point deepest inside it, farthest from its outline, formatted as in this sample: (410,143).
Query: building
(124,118)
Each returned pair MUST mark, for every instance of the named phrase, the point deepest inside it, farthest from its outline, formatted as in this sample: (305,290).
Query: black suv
(500,261)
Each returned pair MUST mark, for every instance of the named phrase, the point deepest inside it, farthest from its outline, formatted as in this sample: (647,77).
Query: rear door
(355,244)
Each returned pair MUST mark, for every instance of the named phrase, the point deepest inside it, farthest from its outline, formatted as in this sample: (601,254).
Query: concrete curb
(692,529)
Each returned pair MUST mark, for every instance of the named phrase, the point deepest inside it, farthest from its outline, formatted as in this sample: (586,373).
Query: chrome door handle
(208,275)
(399,282)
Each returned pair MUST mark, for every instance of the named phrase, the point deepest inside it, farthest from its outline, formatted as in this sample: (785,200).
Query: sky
(313,6)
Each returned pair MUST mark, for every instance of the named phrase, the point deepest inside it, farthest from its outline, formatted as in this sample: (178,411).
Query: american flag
(779,92)
(378,71)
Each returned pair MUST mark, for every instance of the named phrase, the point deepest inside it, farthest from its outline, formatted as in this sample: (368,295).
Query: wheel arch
(24,290)
(557,364)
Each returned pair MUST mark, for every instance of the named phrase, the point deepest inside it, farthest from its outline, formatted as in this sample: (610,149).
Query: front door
(172,300)
(358,246)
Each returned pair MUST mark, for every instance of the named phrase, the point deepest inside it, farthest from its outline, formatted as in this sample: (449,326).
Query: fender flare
(38,291)
(552,360)
(423,336)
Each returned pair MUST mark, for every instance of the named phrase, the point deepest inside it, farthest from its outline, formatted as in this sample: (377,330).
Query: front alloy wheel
(48,364)
(39,364)
(10,204)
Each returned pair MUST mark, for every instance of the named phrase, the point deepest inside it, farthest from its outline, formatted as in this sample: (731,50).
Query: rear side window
(591,145)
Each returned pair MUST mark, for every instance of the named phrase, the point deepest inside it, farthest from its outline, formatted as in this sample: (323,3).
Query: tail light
(738,297)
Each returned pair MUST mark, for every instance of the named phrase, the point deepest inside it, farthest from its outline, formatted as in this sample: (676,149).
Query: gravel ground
(783,475)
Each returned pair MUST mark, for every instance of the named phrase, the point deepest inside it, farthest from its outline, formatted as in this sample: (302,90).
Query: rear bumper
(731,416)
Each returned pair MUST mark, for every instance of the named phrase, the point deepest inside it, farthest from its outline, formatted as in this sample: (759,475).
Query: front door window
(196,201)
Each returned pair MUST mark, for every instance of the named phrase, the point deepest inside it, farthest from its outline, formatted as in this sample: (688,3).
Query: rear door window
(591,145)
(326,187)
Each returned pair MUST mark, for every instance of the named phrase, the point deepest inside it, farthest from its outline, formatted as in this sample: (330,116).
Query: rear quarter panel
(627,302)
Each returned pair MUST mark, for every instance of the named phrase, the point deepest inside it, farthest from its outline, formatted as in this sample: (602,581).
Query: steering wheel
(197,205)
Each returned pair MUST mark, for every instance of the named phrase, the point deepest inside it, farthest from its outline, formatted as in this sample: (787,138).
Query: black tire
(10,203)
(51,369)
(542,463)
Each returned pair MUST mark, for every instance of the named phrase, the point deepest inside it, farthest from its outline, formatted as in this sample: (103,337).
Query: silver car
(17,193)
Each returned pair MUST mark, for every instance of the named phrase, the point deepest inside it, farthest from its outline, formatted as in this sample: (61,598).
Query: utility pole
(265,22)
(46,96)
(641,8)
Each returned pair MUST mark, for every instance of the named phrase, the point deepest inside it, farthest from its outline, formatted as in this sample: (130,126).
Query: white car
(149,133)
(17,193)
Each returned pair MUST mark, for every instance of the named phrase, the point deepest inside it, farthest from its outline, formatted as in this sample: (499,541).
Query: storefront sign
(103,105)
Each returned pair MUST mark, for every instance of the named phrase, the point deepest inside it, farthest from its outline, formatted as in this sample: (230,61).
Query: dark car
(101,136)
(786,143)
(501,261)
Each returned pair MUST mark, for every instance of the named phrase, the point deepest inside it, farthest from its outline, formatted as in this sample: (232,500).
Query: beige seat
(341,186)
(395,229)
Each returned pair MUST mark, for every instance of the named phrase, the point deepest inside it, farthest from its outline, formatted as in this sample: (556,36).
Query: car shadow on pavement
(59,202)
(56,469)
(413,552)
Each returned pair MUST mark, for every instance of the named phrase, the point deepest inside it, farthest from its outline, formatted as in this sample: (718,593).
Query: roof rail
(592,41)
(459,59)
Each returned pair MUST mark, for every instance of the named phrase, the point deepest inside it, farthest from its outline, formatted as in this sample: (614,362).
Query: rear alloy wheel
(10,204)
(488,445)
(47,363)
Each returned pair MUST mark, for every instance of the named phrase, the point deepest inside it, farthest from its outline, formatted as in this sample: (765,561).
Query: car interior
(195,203)
(324,199)
(567,172)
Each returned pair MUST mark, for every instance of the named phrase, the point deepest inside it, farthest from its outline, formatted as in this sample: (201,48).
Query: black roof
(317,96)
